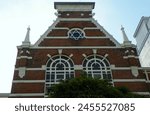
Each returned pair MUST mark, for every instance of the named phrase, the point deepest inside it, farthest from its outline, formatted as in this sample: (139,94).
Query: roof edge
(74,3)
(139,25)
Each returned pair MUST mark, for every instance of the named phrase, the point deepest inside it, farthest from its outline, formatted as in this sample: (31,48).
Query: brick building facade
(74,43)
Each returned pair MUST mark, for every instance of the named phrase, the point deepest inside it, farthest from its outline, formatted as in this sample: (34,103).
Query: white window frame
(104,67)
(51,69)
(71,32)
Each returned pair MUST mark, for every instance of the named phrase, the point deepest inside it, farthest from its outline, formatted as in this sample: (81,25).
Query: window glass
(76,34)
(58,68)
(97,67)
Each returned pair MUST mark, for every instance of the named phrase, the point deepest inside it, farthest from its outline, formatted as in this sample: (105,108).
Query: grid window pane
(97,67)
(58,68)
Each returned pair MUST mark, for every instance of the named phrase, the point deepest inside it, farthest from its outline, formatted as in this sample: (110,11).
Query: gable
(57,34)
(75,26)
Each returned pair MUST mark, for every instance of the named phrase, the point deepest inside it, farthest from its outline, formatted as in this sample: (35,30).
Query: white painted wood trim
(129,80)
(74,6)
(146,68)
(148,81)
(146,74)
(26,94)
(121,68)
(86,37)
(75,19)
(32,69)
(60,28)
(124,68)
(28,81)
(142,93)
(78,67)
(24,57)
(130,56)
(76,47)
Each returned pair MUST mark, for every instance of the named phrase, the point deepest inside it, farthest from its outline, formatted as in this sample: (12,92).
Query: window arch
(58,68)
(97,67)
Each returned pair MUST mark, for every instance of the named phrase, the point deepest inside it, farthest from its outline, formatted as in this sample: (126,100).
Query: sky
(17,15)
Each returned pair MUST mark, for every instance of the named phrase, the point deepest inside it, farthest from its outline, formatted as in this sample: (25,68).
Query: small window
(76,34)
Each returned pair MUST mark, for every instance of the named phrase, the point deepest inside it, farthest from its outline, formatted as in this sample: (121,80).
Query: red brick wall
(63,33)
(27,88)
(127,74)
(22,62)
(133,86)
(122,74)
(149,75)
(148,85)
(39,57)
(31,75)
(94,32)
(59,32)
(75,24)
(133,61)
(83,42)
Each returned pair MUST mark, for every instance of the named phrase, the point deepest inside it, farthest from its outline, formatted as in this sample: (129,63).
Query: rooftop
(74,6)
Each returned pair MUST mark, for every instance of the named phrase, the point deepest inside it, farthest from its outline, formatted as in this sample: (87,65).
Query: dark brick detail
(75,24)
(76,14)
(24,52)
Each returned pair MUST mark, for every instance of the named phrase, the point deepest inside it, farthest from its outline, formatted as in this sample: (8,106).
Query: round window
(76,34)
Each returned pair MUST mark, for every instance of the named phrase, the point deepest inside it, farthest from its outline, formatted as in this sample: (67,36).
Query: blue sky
(17,15)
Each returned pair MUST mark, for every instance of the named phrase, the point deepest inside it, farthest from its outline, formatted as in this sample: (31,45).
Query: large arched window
(97,67)
(58,68)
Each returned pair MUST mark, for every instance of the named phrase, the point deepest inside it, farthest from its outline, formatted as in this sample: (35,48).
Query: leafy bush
(88,87)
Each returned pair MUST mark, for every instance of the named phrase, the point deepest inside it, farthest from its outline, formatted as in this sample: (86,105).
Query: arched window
(97,67)
(58,68)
